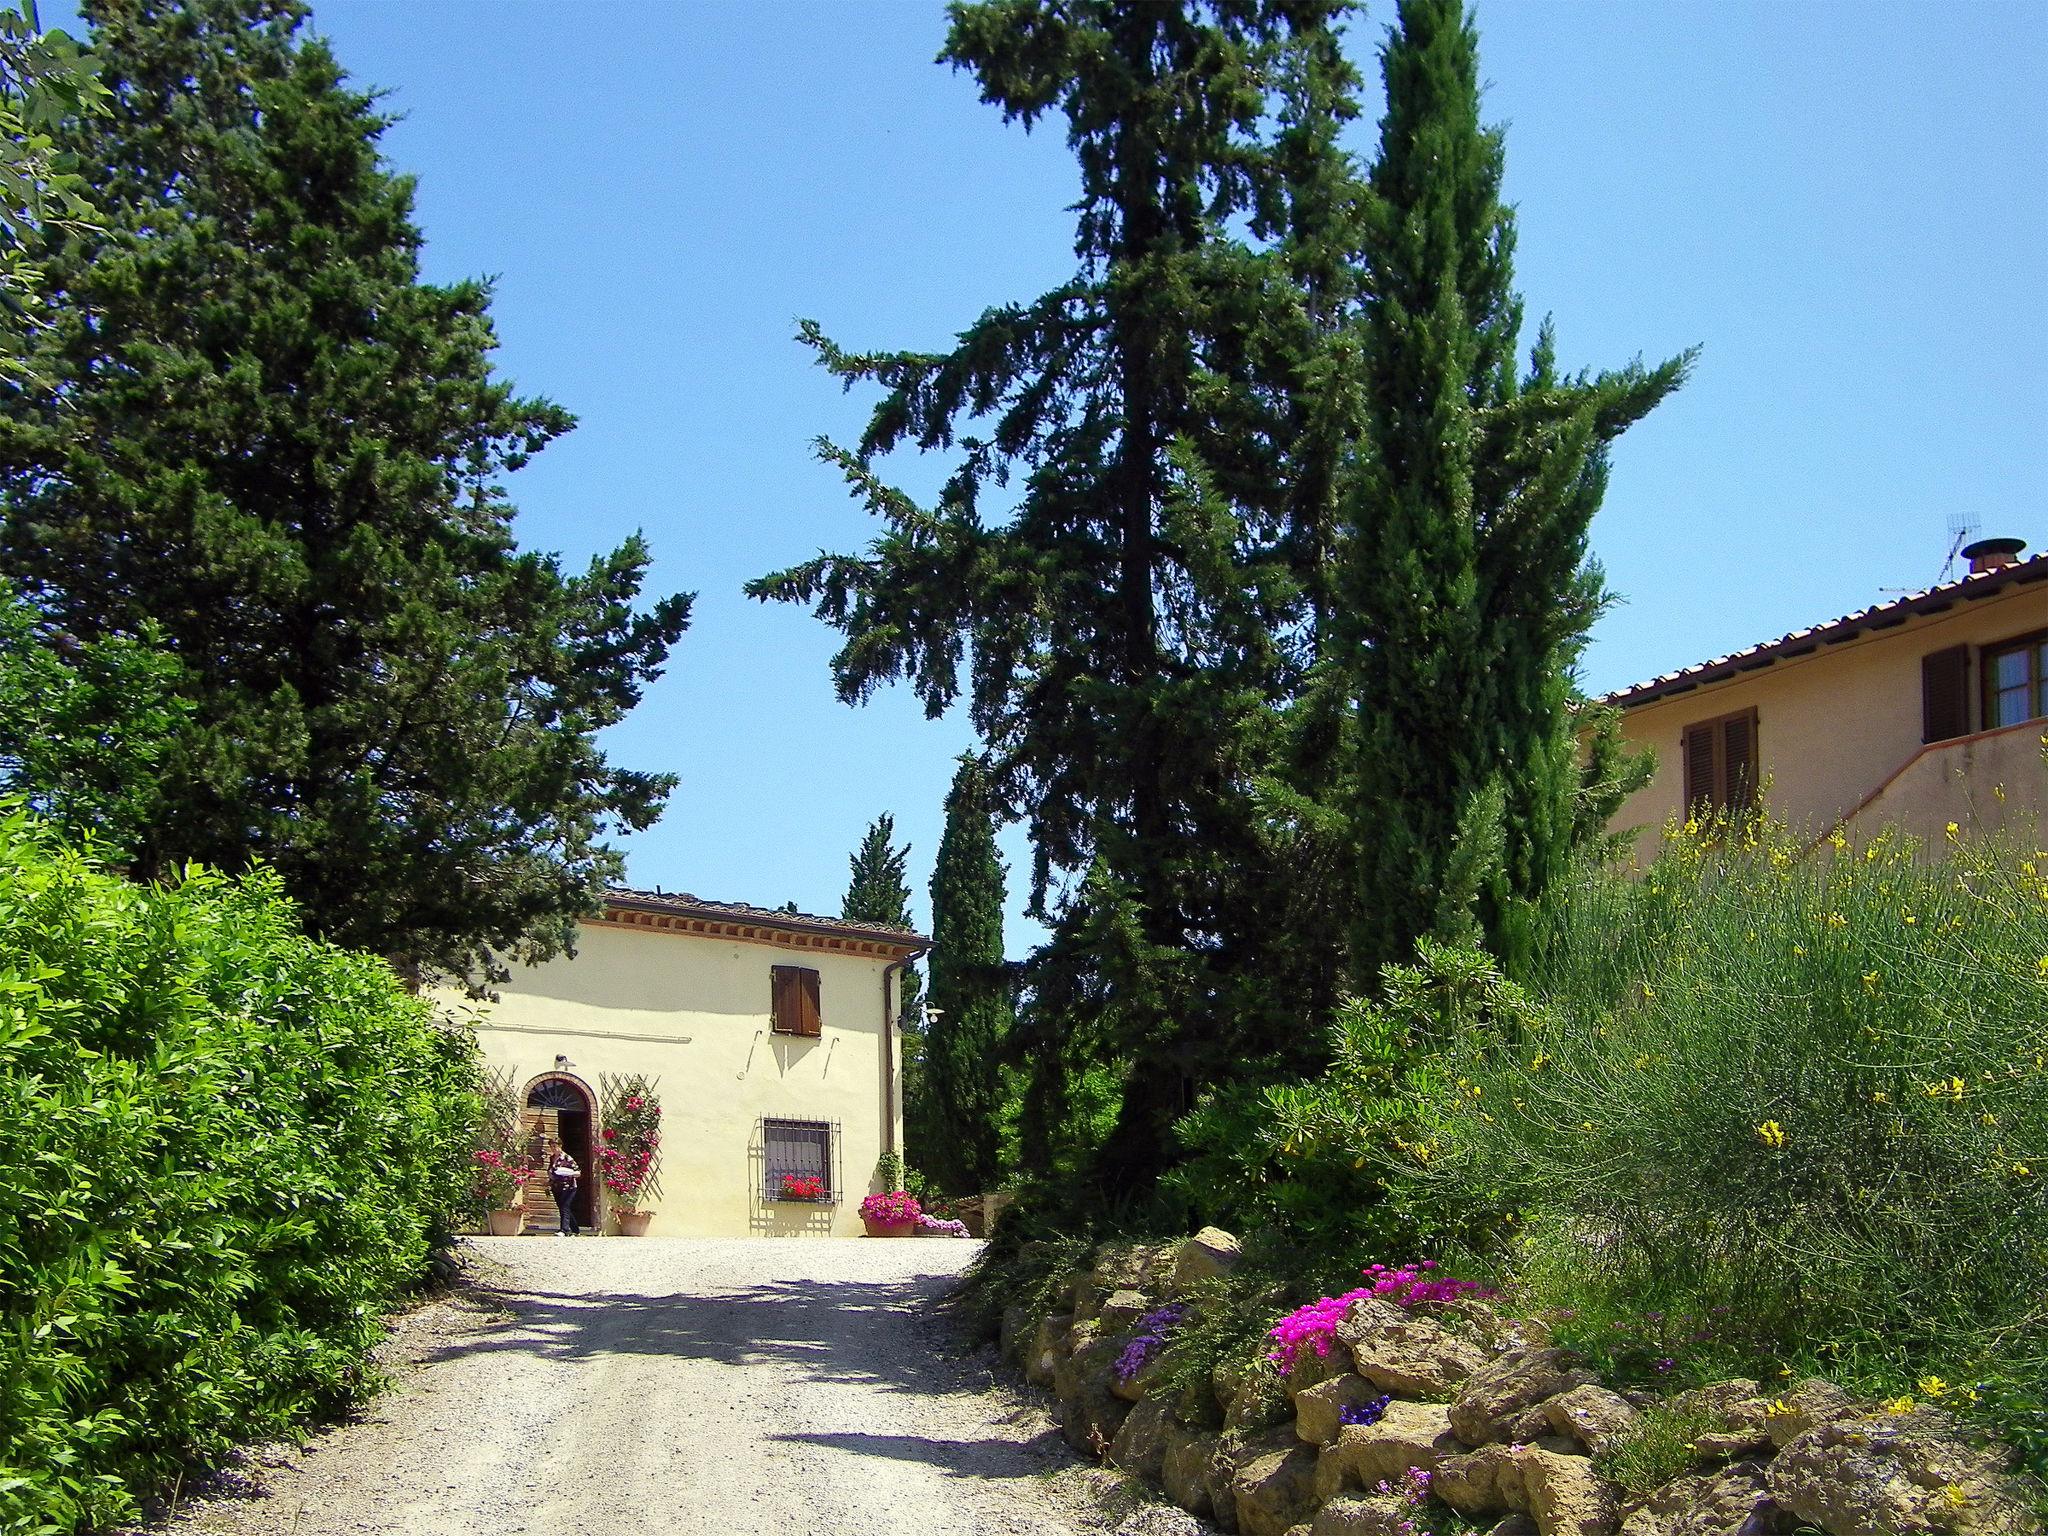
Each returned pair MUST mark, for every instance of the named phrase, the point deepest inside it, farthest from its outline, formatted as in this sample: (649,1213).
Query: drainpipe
(889,1058)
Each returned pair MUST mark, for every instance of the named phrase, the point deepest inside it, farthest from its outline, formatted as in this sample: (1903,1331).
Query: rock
(1813,1402)
(1352,1515)
(1222,1495)
(1208,1255)
(1566,1496)
(1407,1435)
(1311,1369)
(1143,1379)
(1048,1345)
(1894,1476)
(1274,1484)
(1739,1413)
(1488,1481)
(1121,1308)
(1184,1469)
(1090,1411)
(1225,1379)
(1413,1356)
(1318,1410)
(1494,1403)
(1140,1444)
(1494,1329)
(1593,1416)
(1016,1333)
(1731,1502)
(1259,1403)
(1514,1525)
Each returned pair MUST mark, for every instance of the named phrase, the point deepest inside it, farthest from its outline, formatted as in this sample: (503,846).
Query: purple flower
(1367,1412)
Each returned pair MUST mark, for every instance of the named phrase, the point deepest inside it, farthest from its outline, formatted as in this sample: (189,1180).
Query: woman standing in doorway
(563,1177)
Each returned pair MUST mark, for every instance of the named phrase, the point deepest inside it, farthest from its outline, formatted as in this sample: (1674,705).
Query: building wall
(1839,724)
(693,1014)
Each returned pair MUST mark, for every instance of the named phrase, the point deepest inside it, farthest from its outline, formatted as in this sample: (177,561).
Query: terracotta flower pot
(632,1223)
(505,1223)
(889,1228)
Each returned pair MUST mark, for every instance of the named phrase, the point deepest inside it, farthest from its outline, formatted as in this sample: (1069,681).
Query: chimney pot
(1993,554)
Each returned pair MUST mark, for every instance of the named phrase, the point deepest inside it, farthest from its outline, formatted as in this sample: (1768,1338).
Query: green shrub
(1785,1108)
(1657,1449)
(224,1149)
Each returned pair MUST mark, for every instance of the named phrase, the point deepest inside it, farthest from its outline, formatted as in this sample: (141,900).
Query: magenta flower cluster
(1314,1327)
(1150,1338)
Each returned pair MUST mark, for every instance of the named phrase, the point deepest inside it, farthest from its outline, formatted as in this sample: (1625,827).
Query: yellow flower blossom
(1933,1386)
(1539,1061)
(1870,981)
(1900,1404)
(1953,831)
(1772,1135)
(1880,1097)
(1948,1088)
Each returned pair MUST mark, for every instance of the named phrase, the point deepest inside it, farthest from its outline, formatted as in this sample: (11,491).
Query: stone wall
(1479,1413)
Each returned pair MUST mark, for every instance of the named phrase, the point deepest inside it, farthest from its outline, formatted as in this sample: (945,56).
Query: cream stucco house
(771,1038)
(1914,713)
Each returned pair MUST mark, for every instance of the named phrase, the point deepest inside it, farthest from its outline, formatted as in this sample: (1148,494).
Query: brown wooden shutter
(784,995)
(811,1017)
(1698,751)
(1945,694)
(1738,762)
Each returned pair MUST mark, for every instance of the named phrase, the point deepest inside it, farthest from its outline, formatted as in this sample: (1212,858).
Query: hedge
(225,1149)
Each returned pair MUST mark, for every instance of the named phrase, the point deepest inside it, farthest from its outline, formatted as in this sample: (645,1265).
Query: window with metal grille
(799,1161)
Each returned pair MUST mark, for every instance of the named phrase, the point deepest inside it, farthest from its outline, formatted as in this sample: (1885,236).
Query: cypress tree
(1468,592)
(1133,618)
(878,891)
(972,994)
(269,439)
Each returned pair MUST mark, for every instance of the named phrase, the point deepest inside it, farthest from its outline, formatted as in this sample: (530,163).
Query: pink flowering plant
(631,1142)
(929,1225)
(501,1178)
(892,1208)
(1313,1327)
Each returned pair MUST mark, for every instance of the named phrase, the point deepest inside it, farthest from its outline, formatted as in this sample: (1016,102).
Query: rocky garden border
(1437,1408)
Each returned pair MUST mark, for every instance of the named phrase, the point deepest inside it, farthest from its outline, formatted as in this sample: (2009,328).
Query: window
(1945,694)
(796,1155)
(793,1001)
(1721,764)
(2016,682)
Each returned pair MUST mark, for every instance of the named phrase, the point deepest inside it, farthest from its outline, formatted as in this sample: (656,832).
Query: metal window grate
(805,1148)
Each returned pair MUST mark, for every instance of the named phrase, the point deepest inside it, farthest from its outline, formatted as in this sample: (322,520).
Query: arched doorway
(561,1111)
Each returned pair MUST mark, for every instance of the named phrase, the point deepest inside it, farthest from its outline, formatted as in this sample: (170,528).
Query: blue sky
(1842,204)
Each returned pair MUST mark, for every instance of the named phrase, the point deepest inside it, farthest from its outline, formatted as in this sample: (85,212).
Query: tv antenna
(1959,531)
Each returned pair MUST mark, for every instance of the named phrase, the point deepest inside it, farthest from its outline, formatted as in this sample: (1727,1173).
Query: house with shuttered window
(1917,712)
(771,1038)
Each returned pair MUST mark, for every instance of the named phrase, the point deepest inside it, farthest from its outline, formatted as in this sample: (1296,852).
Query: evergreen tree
(1468,592)
(271,440)
(972,993)
(878,891)
(1132,620)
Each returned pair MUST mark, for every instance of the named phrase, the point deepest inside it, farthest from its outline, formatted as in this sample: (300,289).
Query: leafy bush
(1801,1100)
(1658,1448)
(1324,1170)
(224,1149)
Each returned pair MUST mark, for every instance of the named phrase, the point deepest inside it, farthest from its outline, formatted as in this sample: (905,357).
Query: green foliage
(45,80)
(224,1150)
(967,1095)
(1329,1166)
(1797,1098)
(267,437)
(1467,592)
(878,891)
(1127,566)
(84,727)
(1225,1329)
(1658,1448)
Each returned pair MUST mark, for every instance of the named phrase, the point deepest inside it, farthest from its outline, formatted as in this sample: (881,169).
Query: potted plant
(627,1148)
(893,1213)
(802,1186)
(501,1179)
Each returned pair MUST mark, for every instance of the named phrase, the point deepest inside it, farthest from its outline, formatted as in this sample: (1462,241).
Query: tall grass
(1799,1100)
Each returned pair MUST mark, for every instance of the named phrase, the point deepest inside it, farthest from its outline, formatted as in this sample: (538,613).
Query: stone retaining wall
(1484,1416)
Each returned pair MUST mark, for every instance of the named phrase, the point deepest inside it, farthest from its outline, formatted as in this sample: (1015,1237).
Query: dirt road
(599,1387)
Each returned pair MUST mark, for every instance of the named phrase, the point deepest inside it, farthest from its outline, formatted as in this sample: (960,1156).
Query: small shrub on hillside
(224,1150)
(1800,1099)
(1225,1325)
(1658,1449)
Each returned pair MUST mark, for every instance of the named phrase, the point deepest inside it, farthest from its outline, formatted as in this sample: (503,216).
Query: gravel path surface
(764,1388)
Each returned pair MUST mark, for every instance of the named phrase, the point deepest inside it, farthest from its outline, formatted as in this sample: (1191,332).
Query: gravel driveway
(735,1388)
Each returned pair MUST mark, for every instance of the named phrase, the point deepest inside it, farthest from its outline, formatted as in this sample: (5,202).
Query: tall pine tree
(271,440)
(972,995)
(1129,622)
(878,891)
(1467,588)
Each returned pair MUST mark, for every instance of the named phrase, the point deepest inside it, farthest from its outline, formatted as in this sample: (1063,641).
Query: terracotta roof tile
(740,911)
(1934,599)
